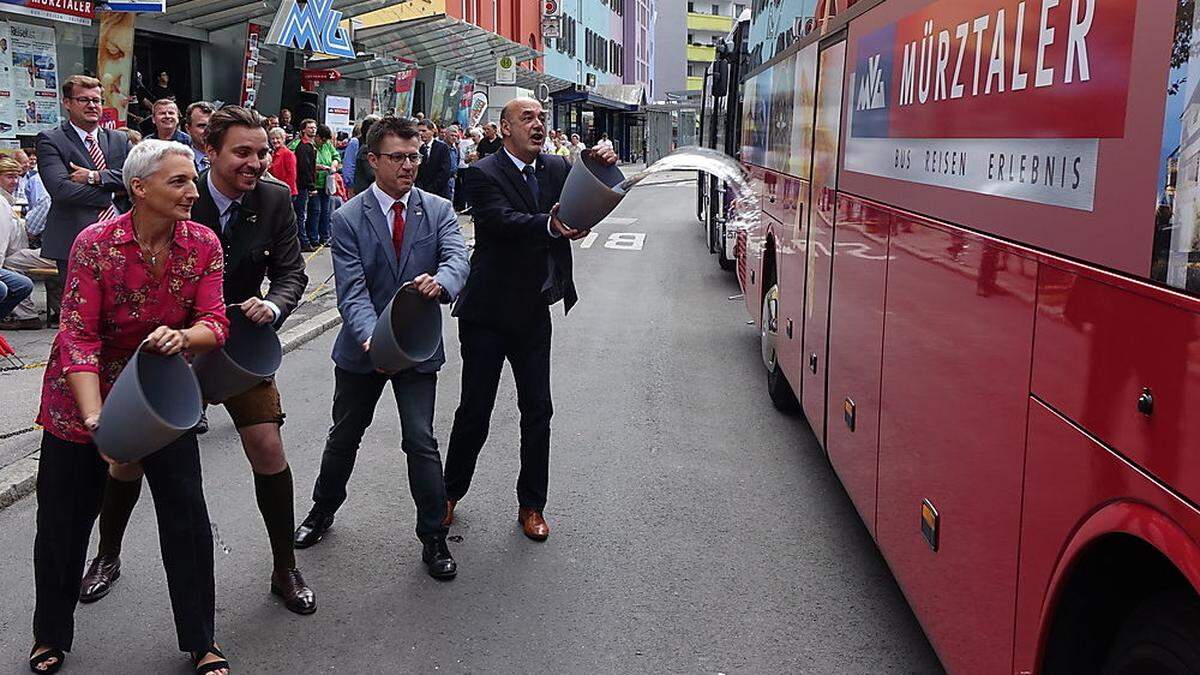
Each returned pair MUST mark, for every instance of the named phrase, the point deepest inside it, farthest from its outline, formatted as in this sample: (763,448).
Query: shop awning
(216,14)
(448,42)
(593,99)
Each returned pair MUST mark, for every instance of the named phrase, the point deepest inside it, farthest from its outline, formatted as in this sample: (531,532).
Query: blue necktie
(531,181)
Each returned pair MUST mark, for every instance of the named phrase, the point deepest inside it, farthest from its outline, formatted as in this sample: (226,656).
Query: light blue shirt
(350,154)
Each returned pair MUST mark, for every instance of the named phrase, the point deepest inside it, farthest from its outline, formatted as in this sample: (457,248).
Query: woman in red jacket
(283,166)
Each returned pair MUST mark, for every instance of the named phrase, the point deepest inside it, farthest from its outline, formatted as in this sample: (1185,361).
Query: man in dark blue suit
(437,167)
(388,235)
(521,266)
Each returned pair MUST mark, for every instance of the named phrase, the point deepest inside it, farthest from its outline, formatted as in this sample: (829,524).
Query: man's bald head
(523,125)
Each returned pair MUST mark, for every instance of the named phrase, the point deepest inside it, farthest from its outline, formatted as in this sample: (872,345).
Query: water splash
(743,208)
(217,540)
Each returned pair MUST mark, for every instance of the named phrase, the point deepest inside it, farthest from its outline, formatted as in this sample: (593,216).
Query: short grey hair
(145,157)
(277,131)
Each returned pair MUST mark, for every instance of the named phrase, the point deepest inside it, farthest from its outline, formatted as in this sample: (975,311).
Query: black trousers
(355,396)
(70,486)
(484,350)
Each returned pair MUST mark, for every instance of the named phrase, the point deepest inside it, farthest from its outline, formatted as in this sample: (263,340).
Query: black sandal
(212,666)
(36,662)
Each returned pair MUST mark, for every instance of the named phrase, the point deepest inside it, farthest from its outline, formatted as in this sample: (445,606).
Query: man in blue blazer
(388,235)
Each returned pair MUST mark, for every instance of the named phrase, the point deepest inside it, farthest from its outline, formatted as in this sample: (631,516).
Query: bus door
(827,131)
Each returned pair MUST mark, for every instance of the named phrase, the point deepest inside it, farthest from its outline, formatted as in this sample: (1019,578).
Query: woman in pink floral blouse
(152,275)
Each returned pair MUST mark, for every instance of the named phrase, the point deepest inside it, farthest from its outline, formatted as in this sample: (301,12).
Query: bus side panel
(956,360)
(1069,478)
(1099,348)
(856,348)
(822,204)
(792,262)
(750,265)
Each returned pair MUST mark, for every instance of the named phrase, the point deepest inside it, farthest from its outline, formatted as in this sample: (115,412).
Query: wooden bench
(48,276)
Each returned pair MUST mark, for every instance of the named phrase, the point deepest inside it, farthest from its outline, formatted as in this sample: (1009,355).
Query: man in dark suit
(386,236)
(521,266)
(257,228)
(80,165)
(436,170)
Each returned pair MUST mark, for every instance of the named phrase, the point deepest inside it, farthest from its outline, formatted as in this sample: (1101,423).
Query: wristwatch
(93,178)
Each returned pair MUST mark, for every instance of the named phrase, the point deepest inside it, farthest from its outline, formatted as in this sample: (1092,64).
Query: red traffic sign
(550,7)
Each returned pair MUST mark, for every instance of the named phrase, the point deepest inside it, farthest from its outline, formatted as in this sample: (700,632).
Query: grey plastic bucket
(589,196)
(153,402)
(408,332)
(251,354)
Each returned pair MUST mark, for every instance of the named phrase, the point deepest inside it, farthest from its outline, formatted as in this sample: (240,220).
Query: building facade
(707,22)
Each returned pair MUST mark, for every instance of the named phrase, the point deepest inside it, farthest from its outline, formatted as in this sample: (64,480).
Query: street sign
(156,6)
(550,7)
(506,70)
(313,25)
(551,27)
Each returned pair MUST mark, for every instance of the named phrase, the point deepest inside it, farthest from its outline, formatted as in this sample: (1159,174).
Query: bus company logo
(314,25)
(998,69)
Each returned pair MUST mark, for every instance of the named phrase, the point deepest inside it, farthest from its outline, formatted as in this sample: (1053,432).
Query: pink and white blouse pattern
(112,301)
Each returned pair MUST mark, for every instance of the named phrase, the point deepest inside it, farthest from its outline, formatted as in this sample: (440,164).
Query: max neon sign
(312,25)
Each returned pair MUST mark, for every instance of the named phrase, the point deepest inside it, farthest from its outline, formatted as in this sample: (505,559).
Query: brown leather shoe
(297,596)
(448,520)
(101,575)
(533,524)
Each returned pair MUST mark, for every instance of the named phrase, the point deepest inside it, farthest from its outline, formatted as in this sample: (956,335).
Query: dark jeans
(460,192)
(317,221)
(355,396)
(70,485)
(484,349)
(14,288)
(300,206)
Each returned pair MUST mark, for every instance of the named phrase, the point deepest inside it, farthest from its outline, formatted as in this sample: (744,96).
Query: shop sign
(551,27)
(313,25)
(993,97)
(148,6)
(68,11)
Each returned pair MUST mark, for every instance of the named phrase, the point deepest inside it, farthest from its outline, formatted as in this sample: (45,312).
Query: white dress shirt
(387,202)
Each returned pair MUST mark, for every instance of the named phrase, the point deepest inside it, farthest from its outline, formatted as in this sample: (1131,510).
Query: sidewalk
(21,387)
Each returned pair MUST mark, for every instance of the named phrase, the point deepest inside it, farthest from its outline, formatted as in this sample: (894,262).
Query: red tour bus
(977,274)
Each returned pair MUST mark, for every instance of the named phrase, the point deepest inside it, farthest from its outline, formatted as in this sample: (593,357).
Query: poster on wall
(980,98)
(451,97)
(250,74)
(337,114)
(33,77)
(405,82)
(8,127)
(114,65)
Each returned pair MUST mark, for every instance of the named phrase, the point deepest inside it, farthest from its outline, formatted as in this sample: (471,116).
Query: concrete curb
(20,478)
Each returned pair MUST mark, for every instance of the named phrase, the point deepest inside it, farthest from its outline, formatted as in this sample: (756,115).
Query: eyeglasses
(401,157)
(87,100)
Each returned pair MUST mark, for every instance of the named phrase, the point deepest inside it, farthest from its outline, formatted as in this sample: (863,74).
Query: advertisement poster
(114,64)
(1176,259)
(8,113)
(68,11)
(775,24)
(449,88)
(337,114)
(250,74)
(33,77)
(990,98)
(405,81)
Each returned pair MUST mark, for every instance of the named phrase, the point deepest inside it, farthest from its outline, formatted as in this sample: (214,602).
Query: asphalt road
(694,529)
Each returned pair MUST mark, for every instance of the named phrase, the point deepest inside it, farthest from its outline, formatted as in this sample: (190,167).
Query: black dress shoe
(297,596)
(312,529)
(101,575)
(438,559)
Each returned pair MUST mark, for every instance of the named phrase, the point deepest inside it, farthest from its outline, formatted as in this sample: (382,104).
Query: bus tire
(1160,637)
(778,389)
(723,261)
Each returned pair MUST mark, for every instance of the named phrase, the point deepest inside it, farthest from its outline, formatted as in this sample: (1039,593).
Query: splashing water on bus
(743,207)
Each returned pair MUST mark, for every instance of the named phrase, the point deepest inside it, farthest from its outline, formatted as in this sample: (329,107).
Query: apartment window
(738,9)
(716,10)
(691,38)
(691,6)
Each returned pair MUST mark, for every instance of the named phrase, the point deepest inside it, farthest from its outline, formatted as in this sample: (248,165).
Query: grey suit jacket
(74,206)
(368,273)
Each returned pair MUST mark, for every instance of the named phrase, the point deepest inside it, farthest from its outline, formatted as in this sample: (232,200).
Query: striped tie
(97,156)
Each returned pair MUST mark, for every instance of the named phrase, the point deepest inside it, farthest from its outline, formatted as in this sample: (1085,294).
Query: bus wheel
(724,261)
(782,396)
(1160,637)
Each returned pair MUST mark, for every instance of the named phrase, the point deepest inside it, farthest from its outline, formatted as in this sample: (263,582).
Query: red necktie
(97,157)
(398,228)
